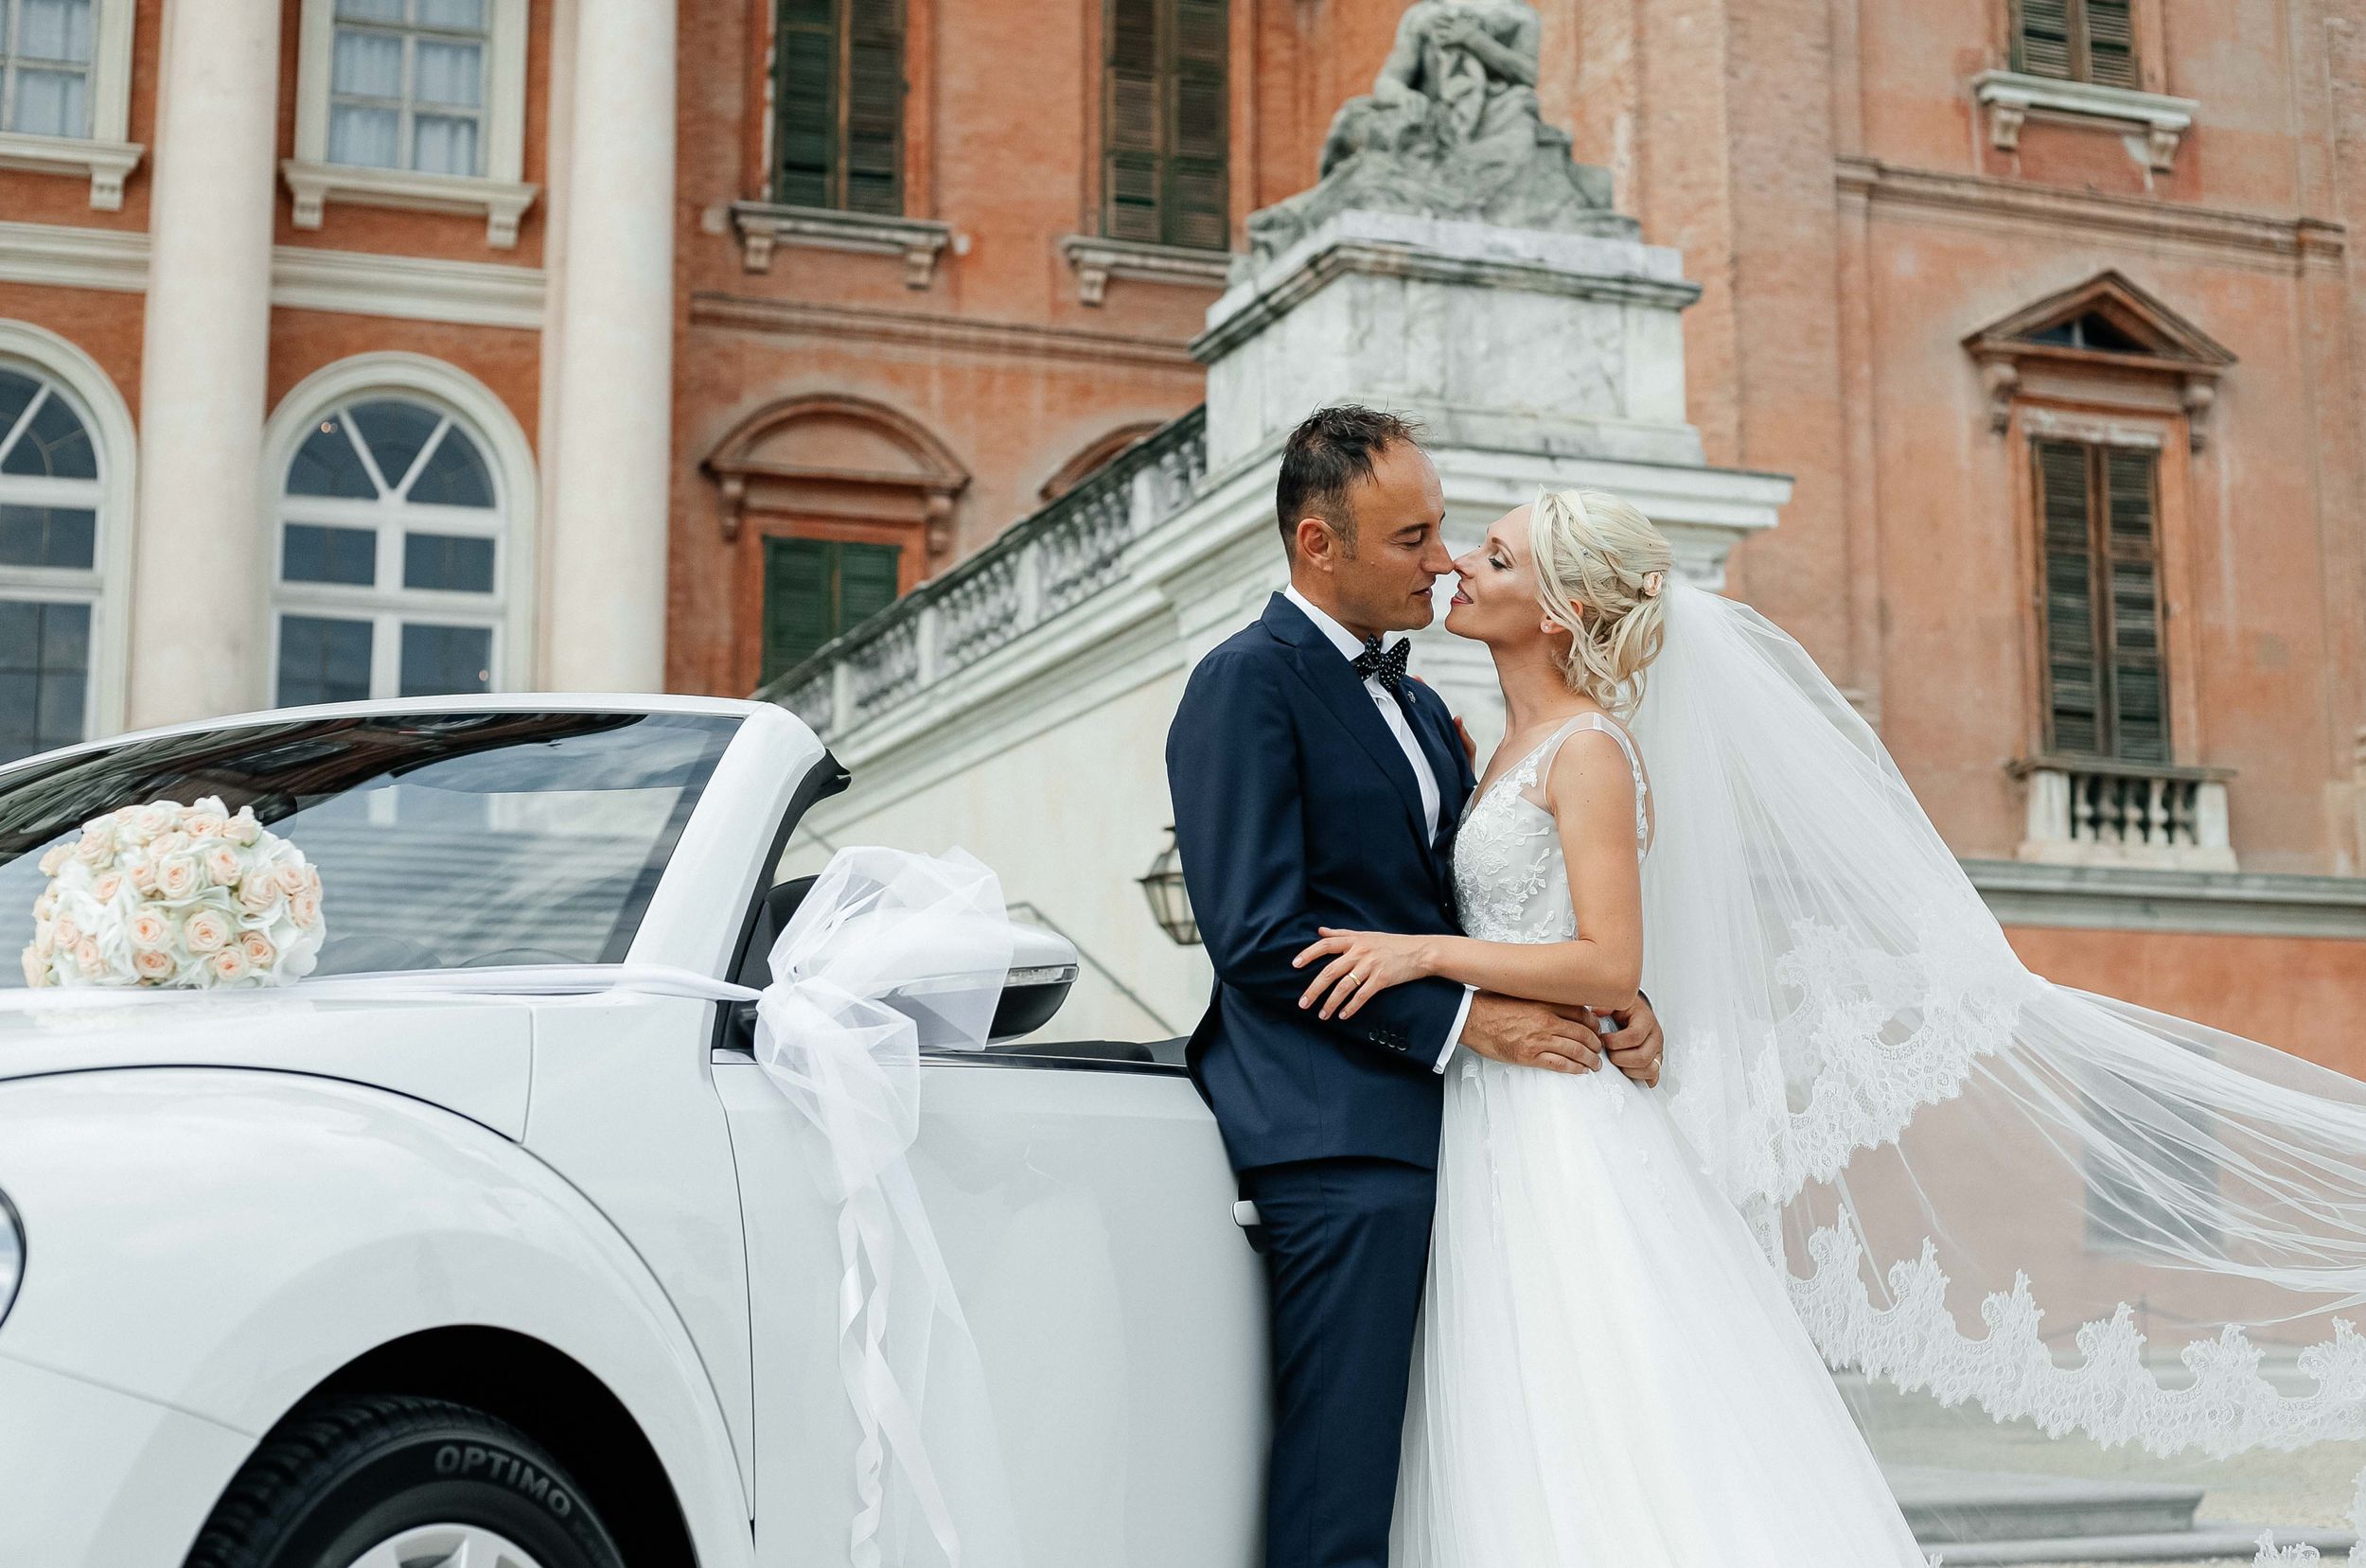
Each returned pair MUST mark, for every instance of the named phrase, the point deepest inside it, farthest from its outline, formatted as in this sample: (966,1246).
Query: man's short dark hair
(1327,456)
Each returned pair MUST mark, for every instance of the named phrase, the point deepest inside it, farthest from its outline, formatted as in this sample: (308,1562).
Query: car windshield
(442,840)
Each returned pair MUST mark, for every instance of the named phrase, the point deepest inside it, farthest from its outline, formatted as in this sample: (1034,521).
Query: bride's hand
(1362,964)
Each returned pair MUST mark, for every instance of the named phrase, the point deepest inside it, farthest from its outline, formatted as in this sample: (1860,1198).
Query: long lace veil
(1983,1187)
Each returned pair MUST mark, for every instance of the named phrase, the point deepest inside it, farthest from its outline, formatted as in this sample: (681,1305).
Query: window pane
(54,30)
(16,394)
(44,674)
(369,10)
(49,104)
(394,432)
(371,138)
(441,144)
(308,553)
(448,562)
(366,65)
(455,474)
(461,15)
(54,445)
(48,536)
(437,660)
(323,661)
(326,465)
(449,74)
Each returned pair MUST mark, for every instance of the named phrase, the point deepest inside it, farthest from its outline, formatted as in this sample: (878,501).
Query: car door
(1085,1208)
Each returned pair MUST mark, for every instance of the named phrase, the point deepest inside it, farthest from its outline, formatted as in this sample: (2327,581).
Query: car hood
(471,1055)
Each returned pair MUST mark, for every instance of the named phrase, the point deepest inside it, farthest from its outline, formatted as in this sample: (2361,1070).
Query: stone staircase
(1974,1517)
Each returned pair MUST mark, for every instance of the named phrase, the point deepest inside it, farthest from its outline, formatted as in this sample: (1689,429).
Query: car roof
(505,702)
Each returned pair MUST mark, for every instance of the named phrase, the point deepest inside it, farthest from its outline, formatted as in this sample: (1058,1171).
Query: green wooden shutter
(2140,717)
(804,92)
(866,582)
(1132,120)
(2076,40)
(2073,661)
(838,104)
(2111,42)
(874,107)
(1196,198)
(797,601)
(2107,686)
(815,589)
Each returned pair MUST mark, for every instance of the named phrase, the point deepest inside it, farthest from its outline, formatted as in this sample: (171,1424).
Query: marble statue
(1450,129)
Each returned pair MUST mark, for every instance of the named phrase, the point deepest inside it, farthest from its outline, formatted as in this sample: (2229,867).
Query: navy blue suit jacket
(1294,808)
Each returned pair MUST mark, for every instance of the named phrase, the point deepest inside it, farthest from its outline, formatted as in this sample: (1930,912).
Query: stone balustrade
(2097,812)
(1041,567)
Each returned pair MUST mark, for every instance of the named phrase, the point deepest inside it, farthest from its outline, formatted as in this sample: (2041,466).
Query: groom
(1316,783)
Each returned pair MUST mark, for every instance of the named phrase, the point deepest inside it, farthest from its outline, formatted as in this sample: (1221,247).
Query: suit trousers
(1347,1248)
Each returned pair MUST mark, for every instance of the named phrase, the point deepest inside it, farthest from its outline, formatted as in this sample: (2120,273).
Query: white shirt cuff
(1453,1035)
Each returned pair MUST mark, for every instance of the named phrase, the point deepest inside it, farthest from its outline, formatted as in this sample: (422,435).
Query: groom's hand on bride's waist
(1634,1042)
(1532,1035)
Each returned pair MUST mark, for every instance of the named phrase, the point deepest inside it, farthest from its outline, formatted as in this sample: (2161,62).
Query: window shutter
(1132,119)
(2140,719)
(796,601)
(2072,660)
(866,582)
(2111,42)
(2042,41)
(874,107)
(805,161)
(1196,183)
(838,105)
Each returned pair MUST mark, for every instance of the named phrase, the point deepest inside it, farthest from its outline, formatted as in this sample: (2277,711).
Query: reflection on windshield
(442,840)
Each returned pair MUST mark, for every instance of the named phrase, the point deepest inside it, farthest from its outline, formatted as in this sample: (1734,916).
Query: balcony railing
(2085,811)
(1041,567)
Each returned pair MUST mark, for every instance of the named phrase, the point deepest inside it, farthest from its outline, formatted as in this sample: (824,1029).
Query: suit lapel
(1334,680)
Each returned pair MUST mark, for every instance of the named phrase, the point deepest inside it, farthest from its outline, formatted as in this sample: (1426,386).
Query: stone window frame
(448,389)
(2010,98)
(107,587)
(104,156)
(502,194)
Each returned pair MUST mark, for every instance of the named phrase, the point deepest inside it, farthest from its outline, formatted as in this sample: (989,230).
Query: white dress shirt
(1392,714)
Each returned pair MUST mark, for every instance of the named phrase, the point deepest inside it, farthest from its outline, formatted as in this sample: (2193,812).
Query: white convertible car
(446,1282)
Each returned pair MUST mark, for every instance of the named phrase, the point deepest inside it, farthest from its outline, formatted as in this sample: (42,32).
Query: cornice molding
(795,318)
(2210,903)
(1981,197)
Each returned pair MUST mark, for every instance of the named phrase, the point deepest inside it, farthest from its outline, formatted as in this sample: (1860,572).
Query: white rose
(243,829)
(222,864)
(232,965)
(153,964)
(304,909)
(177,877)
(36,967)
(206,930)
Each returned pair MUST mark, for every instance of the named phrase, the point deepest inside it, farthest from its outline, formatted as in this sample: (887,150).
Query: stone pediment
(2107,327)
(831,455)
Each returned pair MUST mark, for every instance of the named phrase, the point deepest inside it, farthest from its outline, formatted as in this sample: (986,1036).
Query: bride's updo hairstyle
(1600,567)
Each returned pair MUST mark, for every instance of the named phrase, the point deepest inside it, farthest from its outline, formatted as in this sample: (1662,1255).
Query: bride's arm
(1590,793)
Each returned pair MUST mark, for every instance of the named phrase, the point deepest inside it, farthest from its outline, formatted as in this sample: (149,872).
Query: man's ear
(1317,543)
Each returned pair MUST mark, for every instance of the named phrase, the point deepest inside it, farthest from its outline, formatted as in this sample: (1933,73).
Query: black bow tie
(1385,666)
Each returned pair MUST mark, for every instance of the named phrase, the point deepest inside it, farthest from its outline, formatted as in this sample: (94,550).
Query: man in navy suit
(1315,785)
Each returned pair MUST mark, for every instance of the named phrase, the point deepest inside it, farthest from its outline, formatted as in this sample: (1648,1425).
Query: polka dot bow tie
(1385,665)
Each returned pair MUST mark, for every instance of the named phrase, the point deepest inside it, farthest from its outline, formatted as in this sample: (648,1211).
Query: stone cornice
(303,277)
(2124,899)
(1984,199)
(712,308)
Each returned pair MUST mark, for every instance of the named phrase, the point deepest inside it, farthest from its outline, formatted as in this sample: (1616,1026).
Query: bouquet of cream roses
(165,894)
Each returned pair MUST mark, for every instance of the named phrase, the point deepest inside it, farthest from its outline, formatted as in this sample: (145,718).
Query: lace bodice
(1510,883)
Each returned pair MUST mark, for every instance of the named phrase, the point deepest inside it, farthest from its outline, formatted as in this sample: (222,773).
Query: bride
(1634,1291)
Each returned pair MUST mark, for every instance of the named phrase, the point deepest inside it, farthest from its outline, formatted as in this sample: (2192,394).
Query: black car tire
(343,1474)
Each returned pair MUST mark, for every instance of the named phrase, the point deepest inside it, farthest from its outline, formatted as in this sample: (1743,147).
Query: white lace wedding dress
(1611,1374)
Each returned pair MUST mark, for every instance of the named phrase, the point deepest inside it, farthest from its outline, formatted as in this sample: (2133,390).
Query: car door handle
(1245,1215)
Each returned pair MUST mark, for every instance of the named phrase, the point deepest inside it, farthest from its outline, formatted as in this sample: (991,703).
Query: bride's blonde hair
(1600,570)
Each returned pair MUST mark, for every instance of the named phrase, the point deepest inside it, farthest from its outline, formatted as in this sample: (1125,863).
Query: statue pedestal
(1515,340)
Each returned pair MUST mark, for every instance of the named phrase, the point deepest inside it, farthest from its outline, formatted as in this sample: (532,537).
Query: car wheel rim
(447,1546)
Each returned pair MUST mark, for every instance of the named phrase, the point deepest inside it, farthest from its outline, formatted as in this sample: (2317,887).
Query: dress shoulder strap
(1540,766)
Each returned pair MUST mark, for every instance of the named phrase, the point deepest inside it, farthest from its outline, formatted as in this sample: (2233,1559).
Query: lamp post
(1170,901)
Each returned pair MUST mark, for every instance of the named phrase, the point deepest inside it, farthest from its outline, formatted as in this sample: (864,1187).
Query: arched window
(392,564)
(52,497)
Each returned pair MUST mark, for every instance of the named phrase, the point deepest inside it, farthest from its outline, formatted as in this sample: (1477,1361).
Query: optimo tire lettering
(468,1459)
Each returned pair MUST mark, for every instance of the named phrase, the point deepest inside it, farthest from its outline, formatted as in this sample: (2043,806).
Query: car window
(443,841)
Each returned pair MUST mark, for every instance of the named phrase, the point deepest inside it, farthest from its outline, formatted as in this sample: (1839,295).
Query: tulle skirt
(1610,1374)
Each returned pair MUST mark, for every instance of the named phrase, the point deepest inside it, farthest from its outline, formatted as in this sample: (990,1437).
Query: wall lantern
(1170,903)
